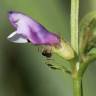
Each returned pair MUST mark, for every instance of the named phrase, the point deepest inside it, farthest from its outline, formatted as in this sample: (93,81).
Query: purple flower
(28,29)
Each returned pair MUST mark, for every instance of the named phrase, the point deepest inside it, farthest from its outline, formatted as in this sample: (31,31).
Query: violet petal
(29,29)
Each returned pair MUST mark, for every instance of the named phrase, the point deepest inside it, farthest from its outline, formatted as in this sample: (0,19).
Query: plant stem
(74,24)
(77,79)
(85,64)
(77,86)
(77,82)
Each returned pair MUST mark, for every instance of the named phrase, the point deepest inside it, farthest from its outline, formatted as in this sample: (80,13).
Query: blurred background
(23,71)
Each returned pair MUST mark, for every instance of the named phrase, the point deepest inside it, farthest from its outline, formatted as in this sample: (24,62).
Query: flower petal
(32,30)
(17,38)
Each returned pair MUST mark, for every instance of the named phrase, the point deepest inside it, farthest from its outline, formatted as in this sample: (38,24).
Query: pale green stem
(77,82)
(77,89)
(85,64)
(74,24)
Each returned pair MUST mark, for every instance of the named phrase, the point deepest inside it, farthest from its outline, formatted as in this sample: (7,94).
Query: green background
(22,68)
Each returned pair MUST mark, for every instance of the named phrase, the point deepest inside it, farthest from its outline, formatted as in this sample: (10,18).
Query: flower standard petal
(32,30)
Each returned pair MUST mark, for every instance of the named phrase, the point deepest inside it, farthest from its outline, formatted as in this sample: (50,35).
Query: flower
(27,29)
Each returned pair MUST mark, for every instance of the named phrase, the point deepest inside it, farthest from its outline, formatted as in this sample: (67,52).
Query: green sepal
(64,50)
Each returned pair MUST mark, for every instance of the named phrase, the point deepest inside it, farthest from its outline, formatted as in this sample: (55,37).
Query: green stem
(77,86)
(74,24)
(78,74)
(77,80)
(85,64)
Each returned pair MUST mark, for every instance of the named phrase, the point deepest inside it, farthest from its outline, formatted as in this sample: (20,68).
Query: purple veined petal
(32,30)
(44,39)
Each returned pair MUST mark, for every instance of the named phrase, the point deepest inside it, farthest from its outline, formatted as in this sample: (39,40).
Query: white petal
(17,38)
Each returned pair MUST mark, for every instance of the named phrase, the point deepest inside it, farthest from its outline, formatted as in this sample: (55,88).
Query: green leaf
(92,51)
(87,29)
